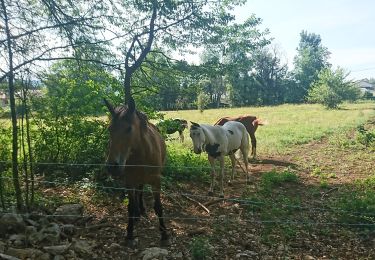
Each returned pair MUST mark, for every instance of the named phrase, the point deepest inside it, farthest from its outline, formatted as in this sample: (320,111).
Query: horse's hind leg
(222,176)
(159,212)
(142,209)
(245,152)
(213,173)
(253,145)
(233,161)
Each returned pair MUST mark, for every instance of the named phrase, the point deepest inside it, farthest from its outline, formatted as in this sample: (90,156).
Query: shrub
(332,88)
(200,248)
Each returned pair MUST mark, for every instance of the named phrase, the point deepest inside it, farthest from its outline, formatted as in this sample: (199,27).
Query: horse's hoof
(210,193)
(165,242)
(131,243)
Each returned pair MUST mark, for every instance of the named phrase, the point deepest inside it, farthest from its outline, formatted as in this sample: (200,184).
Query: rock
(2,246)
(25,253)
(178,255)
(69,213)
(59,257)
(114,247)
(82,248)
(246,254)
(154,252)
(57,250)
(51,234)
(225,241)
(68,229)
(32,222)
(8,257)
(45,256)
(17,239)
(11,222)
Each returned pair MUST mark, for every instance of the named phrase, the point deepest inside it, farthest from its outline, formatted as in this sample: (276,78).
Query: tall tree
(311,58)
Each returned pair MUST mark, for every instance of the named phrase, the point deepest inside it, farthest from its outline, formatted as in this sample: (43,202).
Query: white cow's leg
(222,176)
(213,173)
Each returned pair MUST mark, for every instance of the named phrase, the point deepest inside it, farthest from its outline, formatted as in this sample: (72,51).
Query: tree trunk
(12,102)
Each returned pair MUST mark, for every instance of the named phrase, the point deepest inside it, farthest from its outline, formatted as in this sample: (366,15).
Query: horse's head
(124,133)
(198,137)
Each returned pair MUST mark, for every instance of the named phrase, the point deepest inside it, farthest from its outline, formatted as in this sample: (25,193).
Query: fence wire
(240,200)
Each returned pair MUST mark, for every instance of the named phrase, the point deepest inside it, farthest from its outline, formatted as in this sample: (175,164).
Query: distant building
(366,87)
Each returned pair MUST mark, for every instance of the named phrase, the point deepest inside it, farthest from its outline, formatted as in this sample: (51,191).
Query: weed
(200,248)
(274,178)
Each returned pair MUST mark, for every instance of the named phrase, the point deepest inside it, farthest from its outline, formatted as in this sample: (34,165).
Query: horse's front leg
(131,216)
(159,212)
(213,173)
(221,158)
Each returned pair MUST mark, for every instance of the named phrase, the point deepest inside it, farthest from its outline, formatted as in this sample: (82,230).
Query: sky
(346,27)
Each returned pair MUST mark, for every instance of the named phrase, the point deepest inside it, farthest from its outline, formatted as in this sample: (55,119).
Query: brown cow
(250,122)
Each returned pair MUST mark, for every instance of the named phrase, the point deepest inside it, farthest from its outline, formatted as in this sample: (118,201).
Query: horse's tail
(221,121)
(259,121)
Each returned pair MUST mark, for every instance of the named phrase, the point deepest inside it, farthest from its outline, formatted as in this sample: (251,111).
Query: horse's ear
(131,105)
(194,124)
(109,106)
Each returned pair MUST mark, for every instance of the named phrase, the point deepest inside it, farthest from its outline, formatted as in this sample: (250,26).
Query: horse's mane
(122,111)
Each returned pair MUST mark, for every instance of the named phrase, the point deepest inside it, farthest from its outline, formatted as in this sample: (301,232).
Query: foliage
(183,164)
(273,179)
(311,58)
(358,202)
(63,131)
(366,136)
(202,101)
(331,88)
(200,248)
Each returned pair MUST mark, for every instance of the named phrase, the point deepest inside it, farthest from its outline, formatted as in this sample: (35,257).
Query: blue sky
(347,29)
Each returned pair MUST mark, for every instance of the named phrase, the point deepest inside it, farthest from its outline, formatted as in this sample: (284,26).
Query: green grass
(287,125)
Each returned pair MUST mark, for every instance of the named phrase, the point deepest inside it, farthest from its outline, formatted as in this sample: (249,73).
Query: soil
(238,229)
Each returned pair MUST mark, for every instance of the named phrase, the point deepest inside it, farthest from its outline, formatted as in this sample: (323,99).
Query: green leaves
(332,88)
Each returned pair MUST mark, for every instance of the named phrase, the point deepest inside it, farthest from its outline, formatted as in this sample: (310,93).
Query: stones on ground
(2,246)
(246,254)
(57,250)
(8,257)
(11,223)
(17,240)
(69,213)
(154,252)
(82,247)
(24,253)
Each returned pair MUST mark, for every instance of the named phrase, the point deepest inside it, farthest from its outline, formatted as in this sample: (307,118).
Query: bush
(183,164)
(332,88)
(200,248)
(70,140)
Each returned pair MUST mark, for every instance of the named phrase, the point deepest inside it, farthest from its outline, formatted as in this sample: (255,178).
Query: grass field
(287,125)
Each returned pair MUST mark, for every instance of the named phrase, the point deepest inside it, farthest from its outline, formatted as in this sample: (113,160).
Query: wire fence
(221,218)
(233,199)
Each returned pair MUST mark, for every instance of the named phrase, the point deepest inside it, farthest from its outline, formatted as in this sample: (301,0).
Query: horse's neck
(208,132)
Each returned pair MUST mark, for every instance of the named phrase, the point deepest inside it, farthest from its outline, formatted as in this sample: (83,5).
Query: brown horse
(136,157)
(251,123)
